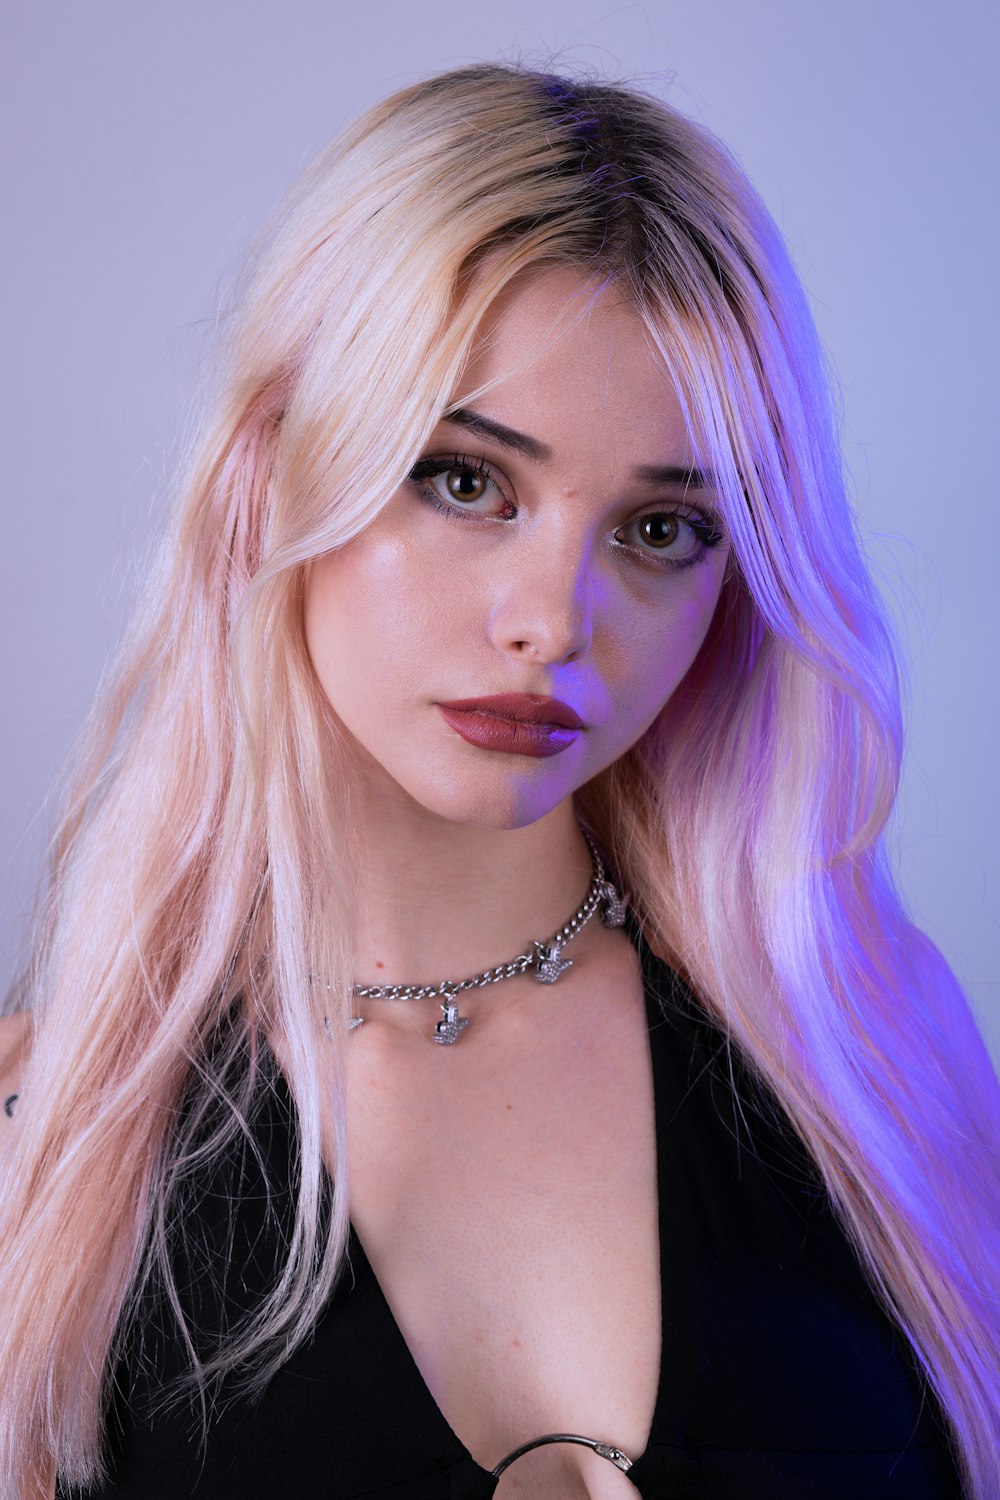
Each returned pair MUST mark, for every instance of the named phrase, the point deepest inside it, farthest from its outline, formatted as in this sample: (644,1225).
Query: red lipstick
(514,723)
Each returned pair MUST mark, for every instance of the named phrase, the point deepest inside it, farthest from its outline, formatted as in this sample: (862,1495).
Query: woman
(311,1189)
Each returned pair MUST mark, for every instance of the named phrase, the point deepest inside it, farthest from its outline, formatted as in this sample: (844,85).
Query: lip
(508,736)
(526,708)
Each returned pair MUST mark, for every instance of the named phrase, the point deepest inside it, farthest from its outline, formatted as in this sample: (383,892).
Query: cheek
(322,615)
(339,622)
(663,648)
(371,610)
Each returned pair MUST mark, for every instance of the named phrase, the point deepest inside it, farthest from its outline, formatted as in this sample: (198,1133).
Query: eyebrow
(539,452)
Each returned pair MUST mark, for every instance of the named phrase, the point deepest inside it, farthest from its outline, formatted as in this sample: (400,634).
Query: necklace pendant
(451,1025)
(549,962)
(614,907)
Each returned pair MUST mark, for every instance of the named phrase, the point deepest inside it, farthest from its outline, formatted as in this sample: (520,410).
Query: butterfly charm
(615,908)
(550,962)
(450,1027)
(353,1023)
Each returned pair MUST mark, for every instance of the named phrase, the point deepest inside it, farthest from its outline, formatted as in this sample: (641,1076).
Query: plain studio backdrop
(144,142)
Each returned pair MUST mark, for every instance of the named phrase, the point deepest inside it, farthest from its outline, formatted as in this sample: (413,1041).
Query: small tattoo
(8,1105)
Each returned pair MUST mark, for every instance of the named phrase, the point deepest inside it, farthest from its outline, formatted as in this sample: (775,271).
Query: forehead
(553,317)
(567,358)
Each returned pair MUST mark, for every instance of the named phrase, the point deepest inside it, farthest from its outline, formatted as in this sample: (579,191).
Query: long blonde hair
(205,814)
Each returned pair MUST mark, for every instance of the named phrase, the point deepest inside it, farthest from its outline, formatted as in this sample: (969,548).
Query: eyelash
(706,528)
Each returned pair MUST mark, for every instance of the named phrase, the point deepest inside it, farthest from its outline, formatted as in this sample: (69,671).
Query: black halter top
(781,1377)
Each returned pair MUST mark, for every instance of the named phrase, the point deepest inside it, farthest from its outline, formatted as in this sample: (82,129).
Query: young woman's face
(539,559)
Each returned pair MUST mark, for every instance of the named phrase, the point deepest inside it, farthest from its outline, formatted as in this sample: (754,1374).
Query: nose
(543,598)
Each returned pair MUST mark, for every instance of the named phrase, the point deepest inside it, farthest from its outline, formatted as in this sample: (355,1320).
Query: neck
(446,900)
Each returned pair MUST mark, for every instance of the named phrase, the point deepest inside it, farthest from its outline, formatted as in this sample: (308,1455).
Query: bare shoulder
(16,1033)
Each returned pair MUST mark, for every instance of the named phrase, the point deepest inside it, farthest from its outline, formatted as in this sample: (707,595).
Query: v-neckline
(359,1261)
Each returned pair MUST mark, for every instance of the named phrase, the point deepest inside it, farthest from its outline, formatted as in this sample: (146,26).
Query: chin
(500,805)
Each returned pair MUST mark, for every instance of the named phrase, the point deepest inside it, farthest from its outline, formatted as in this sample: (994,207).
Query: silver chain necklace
(545,958)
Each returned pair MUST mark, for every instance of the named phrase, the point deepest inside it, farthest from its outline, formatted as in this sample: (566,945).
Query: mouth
(506,735)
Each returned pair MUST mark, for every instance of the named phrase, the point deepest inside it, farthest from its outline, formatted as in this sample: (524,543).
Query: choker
(545,958)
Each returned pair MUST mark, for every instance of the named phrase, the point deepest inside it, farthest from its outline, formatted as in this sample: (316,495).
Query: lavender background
(143,142)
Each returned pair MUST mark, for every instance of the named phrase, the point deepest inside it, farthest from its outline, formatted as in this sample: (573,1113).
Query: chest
(506,1198)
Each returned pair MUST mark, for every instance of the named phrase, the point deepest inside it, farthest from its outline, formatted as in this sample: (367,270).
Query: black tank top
(781,1378)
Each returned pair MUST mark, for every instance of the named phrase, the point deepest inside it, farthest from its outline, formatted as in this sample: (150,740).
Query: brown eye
(466,484)
(660,529)
(467,481)
(670,538)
